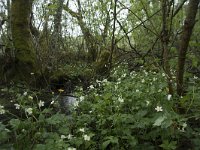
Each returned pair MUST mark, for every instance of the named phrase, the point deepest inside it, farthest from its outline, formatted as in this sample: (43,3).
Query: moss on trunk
(20,24)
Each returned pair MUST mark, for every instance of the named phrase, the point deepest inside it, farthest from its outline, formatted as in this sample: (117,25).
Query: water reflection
(67,103)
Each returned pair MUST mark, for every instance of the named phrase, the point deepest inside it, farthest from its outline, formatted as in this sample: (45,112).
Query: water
(67,103)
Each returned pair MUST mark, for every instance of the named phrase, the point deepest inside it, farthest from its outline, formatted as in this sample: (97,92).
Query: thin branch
(113,34)
(179,8)
(138,18)
(129,41)
(139,24)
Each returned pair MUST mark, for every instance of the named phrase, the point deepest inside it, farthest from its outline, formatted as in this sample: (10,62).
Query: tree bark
(56,36)
(165,38)
(22,39)
(184,42)
(87,33)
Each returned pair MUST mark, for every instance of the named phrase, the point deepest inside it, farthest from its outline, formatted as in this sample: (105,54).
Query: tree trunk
(56,36)
(9,45)
(87,33)
(22,40)
(165,38)
(184,42)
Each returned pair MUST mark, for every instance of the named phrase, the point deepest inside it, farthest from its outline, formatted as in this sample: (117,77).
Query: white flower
(69,136)
(118,82)
(195,77)
(137,90)
(17,106)
(159,90)
(71,148)
(143,81)
(29,110)
(163,74)
(159,108)
(120,99)
(124,75)
(91,87)
(41,103)
(32,73)
(76,103)
(119,79)
(97,81)
(145,72)
(147,102)
(52,102)
(25,93)
(169,96)
(184,125)
(82,130)
(105,80)
(30,97)
(2,111)
(63,137)
(23,130)
(154,79)
(86,137)
(82,98)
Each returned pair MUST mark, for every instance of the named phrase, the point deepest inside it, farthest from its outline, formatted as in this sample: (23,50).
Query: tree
(165,38)
(22,40)
(56,35)
(90,24)
(184,42)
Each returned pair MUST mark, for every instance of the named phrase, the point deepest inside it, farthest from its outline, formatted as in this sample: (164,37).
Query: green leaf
(40,147)
(105,144)
(15,123)
(168,145)
(56,119)
(159,121)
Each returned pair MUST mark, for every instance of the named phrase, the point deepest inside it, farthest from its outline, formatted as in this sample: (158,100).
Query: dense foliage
(99,74)
(129,110)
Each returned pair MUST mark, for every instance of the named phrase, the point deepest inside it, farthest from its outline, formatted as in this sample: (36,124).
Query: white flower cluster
(25,93)
(29,111)
(159,108)
(30,97)
(169,96)
(120,99)
(76,103)
(2,110)
(17,106)
(85,136)
(81,98)
(69,137)
(41,103)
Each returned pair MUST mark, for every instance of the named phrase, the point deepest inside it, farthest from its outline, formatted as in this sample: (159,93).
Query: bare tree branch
(179,8)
